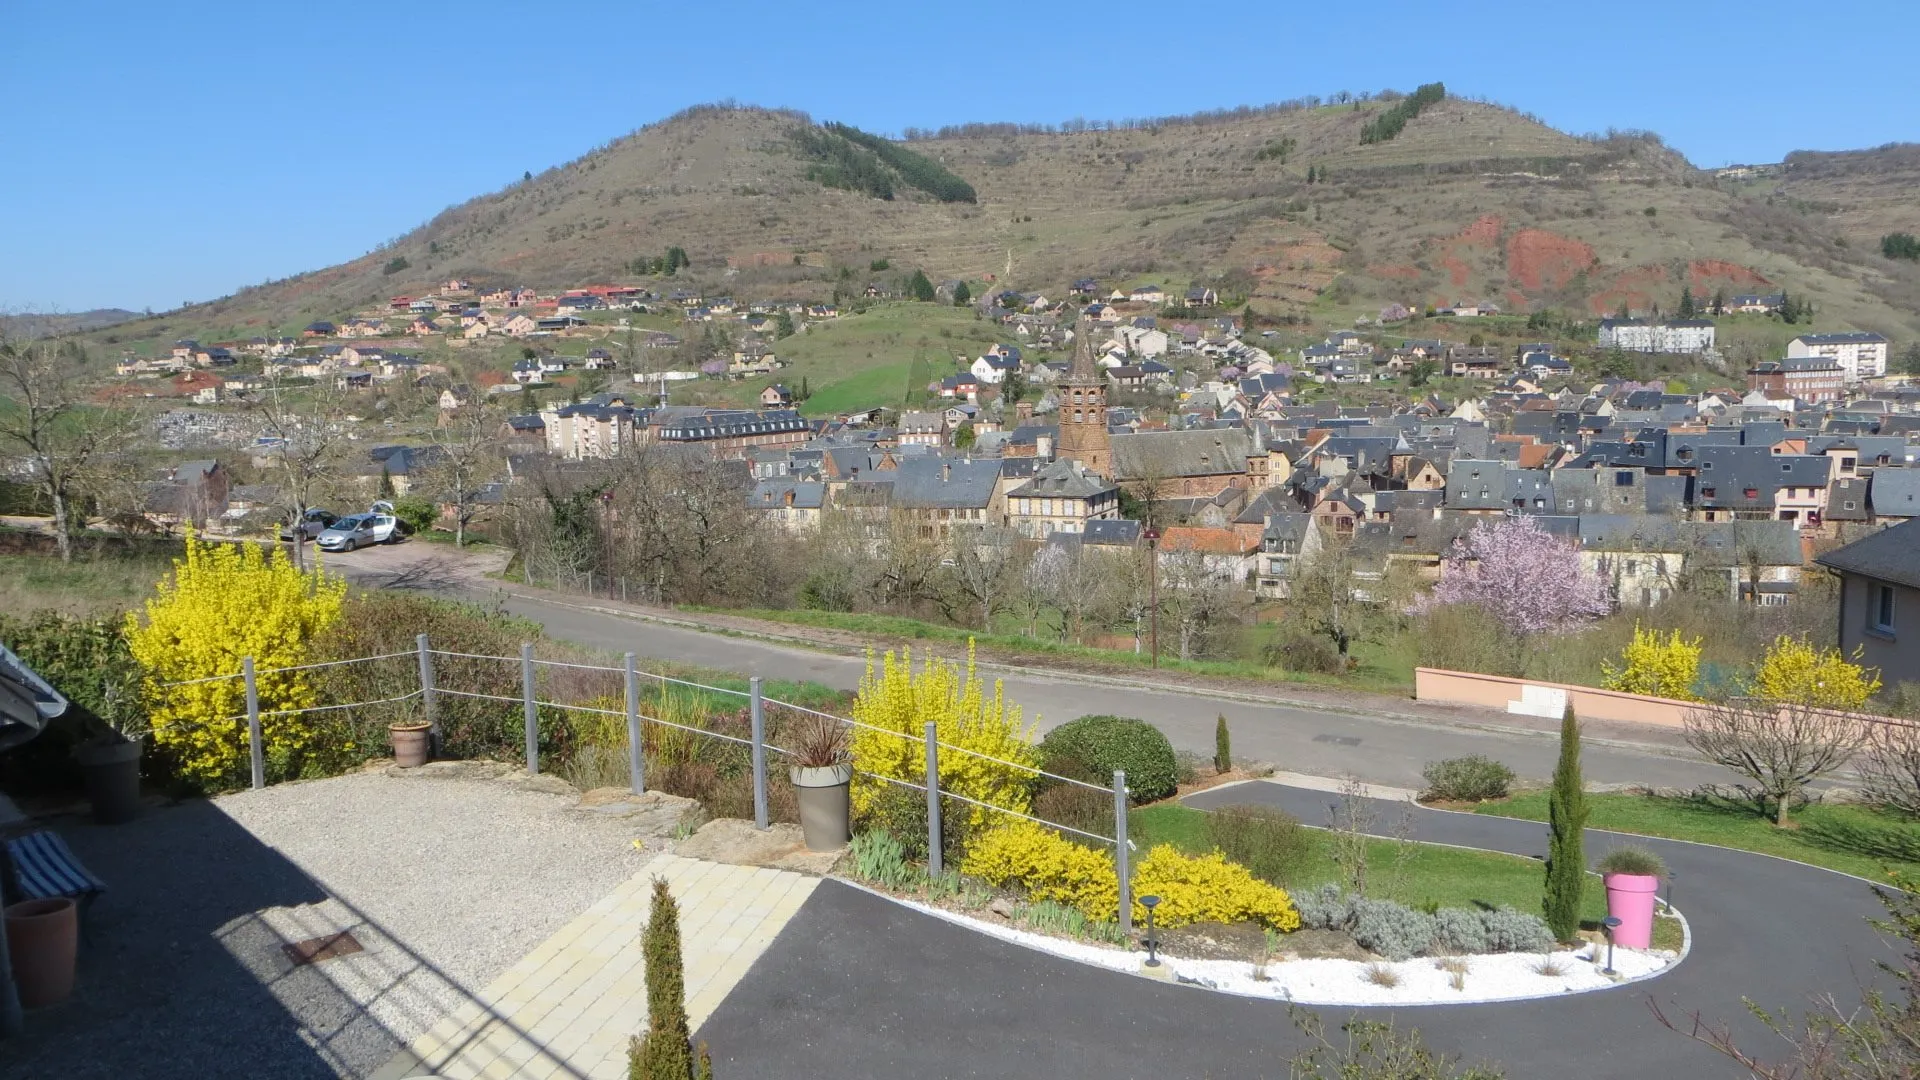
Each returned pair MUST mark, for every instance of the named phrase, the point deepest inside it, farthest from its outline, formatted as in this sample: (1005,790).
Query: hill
(31,324)
(1468,202)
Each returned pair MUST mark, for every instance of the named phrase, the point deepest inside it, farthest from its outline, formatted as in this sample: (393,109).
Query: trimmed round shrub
(1511,930)
(1466,779)
(1102,744)
(1393,930)
(1459,930)
(1327,907)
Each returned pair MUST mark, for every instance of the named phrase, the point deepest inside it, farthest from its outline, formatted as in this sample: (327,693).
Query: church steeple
(1083,407)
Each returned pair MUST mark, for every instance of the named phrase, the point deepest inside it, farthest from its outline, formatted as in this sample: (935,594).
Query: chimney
(789,496)
(1043,447)
(1023,412)
(946,472)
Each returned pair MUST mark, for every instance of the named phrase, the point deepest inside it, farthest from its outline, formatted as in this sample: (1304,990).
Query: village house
(1879,619)
(1812,379)
(923,429)
(1061,497)
(793,506)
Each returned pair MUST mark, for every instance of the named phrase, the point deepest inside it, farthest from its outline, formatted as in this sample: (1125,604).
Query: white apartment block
(1673,336)
(1860,355)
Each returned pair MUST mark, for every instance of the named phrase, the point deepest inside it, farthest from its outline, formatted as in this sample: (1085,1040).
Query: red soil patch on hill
(1639,287)
(1705,274)
(1538,259)
(1484,234)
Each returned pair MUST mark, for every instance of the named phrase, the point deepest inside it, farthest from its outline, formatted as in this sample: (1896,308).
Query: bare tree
(1197,598)
(64,439)
(308,426)
(1780,746)
(909,561)
(1075,588)
(1889,765)
(1125,596)
(467,458)
(984,557)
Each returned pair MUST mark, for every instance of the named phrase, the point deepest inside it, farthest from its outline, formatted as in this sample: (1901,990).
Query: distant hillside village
(1158,418)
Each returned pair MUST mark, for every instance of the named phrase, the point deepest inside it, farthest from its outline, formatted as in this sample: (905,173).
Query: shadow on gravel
(184,971)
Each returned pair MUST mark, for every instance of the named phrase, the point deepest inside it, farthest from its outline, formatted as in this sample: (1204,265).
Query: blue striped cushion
(45,868)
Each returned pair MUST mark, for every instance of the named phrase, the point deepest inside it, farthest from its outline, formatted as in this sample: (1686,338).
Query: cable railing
(429,695)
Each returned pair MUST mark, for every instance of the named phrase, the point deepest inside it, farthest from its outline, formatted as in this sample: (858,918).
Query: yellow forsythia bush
(899,701)
(1208,888)
(1794,671)
(1048,867)
(1654,666)
(224,602)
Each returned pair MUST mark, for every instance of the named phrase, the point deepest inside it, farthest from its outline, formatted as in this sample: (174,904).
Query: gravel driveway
(444,883)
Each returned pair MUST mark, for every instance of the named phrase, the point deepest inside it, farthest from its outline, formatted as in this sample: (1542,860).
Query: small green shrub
(1459,930)
(1222,745)
(1186,765)
(1270,842)
(1633,860)
(415,512)
(1393,930)
(1466,779)
(1297,651)
(1076,808)
(1103,744)
(1511,930)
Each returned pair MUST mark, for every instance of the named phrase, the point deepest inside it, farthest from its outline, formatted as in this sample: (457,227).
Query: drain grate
(1337,740)
(314,950)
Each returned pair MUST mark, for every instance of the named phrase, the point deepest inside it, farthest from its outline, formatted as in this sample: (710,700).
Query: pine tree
(666,1051)
(1566,818)
(1222,745)
(919,287)
(962,296)
(1687,308)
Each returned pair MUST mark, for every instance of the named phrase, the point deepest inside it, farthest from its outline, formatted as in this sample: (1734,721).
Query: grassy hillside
(1469,202)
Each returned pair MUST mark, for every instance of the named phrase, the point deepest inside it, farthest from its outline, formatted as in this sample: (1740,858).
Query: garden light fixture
(1607,926)
(1153,943)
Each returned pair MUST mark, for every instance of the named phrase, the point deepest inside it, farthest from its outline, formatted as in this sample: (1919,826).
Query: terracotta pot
(43,939)
(111,771)
(1630,899)
(412,744)
(826,805)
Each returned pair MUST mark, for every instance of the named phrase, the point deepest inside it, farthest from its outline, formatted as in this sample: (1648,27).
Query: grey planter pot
(111,771)
(826,805)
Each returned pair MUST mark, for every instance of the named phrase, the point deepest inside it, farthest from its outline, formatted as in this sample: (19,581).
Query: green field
(1851,839)
(865,360)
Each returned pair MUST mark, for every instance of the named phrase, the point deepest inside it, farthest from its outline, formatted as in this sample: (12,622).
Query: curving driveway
(859,986)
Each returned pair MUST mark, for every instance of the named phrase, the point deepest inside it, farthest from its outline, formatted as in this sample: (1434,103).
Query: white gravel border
(1490,978)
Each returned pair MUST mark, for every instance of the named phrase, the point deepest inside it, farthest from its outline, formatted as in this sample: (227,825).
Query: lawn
(1428,874)
(1384,668)
(1853,839)
(91,585)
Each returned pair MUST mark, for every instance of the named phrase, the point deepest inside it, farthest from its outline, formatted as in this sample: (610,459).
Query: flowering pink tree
(1523,575)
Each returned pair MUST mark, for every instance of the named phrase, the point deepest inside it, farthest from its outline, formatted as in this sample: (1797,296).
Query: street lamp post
(1153,578)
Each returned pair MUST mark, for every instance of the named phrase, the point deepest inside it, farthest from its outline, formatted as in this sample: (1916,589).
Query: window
(1883,609)
(1706,493)
(1623,479)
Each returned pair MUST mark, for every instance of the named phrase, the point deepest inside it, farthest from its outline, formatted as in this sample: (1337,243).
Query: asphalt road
(860,986)
(1377,749)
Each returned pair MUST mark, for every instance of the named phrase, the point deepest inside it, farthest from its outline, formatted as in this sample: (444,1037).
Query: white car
(359,530)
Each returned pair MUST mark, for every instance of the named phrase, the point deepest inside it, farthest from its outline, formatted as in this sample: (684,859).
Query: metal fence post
(636,747)
(1121,863)
(429,701)
(256,745)
(758,712)
(936,858)
(532,710)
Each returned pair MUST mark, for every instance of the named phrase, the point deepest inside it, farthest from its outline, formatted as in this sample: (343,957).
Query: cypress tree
(1566,817)
(1222,745)
(666,1051)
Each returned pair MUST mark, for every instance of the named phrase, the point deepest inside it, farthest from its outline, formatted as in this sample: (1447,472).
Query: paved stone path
(568,1008)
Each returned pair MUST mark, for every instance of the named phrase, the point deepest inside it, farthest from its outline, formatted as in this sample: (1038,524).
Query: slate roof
(1116,532)
(1896,492)
(1891,555)
(1063,479)
(1476,484)
(1205,452)
(942,483)
(772,494)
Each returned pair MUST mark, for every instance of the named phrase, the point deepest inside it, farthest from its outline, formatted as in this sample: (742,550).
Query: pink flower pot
(1630,899)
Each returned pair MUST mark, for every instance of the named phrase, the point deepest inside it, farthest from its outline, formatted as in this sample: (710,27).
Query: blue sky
(164,153)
